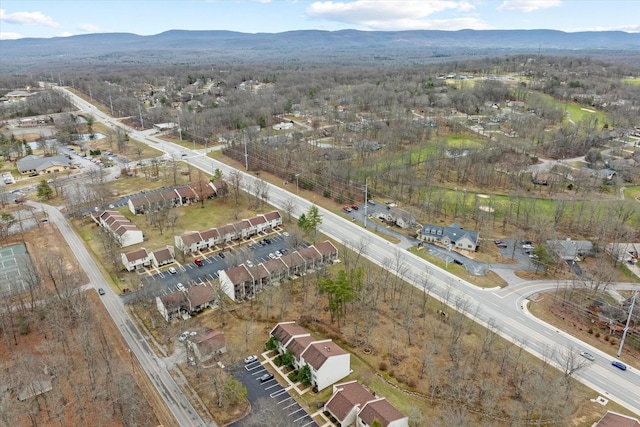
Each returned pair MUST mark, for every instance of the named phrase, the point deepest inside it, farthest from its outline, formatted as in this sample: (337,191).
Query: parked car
(498,241)
(221,255)
(272,256)
(266,377)
(183,336)
(198,262)
(457,261)
(587,355)
(354,207)
(284,251)
(180,287)
(101,291)
(285,234)
(619,365)
(250,359)
(278,254)
(249,263)
(191,361)
(347,209)
(172,270)
(371,202)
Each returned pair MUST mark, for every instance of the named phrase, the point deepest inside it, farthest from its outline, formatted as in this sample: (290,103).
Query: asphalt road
(489,307)
(179,405)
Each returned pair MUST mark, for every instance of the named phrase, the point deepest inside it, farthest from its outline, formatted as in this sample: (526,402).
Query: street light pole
(366,200)
(297,186)
(626,328)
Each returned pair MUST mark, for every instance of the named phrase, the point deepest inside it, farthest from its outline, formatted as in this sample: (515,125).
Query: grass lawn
(632,192)
(634,81)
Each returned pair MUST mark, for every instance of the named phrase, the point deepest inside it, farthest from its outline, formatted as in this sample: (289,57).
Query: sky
(61,18)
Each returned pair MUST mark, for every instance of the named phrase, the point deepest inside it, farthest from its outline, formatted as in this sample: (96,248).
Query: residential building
(624,252)
(200,297)
(327,362)
(242,282)
(453,235)
(569,250)
(138,258)
(162,256)
(36,165)
(400,217)
(189,241)
(125,233)
(383,411)
(346,401)
(207,345)
(173,305)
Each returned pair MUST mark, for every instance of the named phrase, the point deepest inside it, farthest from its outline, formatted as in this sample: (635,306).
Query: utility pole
(111,105)
(141,121)
(626,328)
(246,155)
(366,200)
(297,186)
(179,128)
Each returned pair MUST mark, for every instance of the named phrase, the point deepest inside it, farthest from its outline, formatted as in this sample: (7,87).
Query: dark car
(457,261)
(101,291)
(198,262)
(354,207)
(266,377)
(619,365)
(221,255)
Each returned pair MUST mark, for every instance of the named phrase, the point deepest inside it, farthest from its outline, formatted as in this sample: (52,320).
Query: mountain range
(179,45)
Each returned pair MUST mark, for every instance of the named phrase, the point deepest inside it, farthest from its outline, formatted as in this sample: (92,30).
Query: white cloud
(527,5)
(27,18)
(65,34)
(9,36)
(394,15)
(89,28)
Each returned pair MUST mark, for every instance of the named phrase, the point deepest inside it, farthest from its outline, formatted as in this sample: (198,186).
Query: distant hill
(181,45)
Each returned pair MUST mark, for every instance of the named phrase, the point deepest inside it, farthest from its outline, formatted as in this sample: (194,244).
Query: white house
(284,332)
(121,228)
(189,241)
(346,401)
(162,256)
(207,345)
(328,362)
(134,259)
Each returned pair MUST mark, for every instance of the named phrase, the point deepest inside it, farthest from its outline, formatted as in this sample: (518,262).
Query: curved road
(502,309)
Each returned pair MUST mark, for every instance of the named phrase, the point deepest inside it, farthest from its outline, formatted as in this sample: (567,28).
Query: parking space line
(298,410)
(279,393)
(274,385)
(289,406)
(309,423)
(259,371)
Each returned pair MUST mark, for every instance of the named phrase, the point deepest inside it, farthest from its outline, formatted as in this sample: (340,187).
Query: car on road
(587,355)
(172,270)
(180,286)
(354,207)
(457,261)
(250,359)
(347,209)
(619,365)
(249,263)
(101,291)
(266,377)
(371,202)
(198,262)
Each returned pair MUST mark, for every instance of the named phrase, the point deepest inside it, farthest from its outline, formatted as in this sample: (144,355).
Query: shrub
(277,360)
(326,193)
(293,376)
(382,366)
(597,334)
(590,331)
(606,338)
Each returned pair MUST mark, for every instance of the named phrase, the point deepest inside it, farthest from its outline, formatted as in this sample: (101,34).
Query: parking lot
(269,400)
(190,274)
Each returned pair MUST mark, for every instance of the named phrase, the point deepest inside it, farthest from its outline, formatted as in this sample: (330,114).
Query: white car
(278,254)
(172,270)
(285,234)
(250,359)
(249,263)
(272,256)
(183,336)
(180,287)
(191,360)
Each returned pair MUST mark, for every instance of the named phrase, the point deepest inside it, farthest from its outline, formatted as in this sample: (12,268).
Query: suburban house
(207,345)
(569,250)
(383,411)
(121,228)
(352,404)
(186,303)
(36,165)
(453,235)
(243,282)
(624,252)
(162,256)
(135,259)
(153,202)
(193,241)
(327,361)
(400,217)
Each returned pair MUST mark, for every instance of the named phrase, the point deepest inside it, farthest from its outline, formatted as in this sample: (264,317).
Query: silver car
(587,355)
